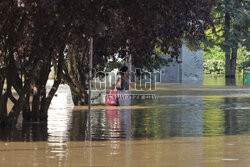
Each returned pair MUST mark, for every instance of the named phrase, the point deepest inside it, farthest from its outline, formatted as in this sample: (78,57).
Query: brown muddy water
(185,126)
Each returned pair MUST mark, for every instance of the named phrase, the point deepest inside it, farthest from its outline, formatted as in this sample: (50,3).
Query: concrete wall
(171,72)
(190,71)
(192,66)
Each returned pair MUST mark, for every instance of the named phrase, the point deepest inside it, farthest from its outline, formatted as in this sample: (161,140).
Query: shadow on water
(230,81)
(177,111)
(171,117)
(222,81)
(29,132)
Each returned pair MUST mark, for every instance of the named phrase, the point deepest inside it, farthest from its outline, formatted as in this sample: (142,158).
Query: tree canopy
(36,35)
(231,19)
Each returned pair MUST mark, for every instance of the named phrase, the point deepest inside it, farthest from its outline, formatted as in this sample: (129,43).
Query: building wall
(190,71)
(170,73)
(192,66)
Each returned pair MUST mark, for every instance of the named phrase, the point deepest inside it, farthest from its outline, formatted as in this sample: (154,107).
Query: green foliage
(214,60)
(214,67)
(113,65)
(244,64)
(239,15)
(244,58)
(243,54)
(215,53)
(230,32)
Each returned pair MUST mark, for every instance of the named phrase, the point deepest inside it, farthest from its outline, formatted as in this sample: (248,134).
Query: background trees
(36,35)
(232,23)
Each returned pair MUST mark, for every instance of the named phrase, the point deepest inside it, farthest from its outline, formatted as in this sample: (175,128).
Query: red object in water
(111,98)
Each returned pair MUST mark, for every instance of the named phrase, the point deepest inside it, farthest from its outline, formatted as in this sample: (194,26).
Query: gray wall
(171,73)
(190,71)
(192,66)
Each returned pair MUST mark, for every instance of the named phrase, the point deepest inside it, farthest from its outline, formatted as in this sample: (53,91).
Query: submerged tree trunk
(231,44)
(36,102)
(45,103)
(39,93)
(26,108)
(18,106)
(231,67)
(233,60)
(3,108)
(3,98)
(34,108)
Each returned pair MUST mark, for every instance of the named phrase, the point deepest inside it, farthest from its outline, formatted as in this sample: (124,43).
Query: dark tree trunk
(231,54)
(230,81)
(75,78)
(230,78)
(234,52)
(18,106)
(78,99)
(233,61)
(227,47)
(36,104)
(3,108)
(41,93)
(46,101)
(3,100)
(26,108)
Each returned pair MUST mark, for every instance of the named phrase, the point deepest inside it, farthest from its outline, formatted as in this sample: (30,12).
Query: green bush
(215,53)
(214,66)
(214,60)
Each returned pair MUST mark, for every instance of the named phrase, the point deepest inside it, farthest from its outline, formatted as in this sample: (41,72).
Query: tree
(31,36)
(36,35)
(232,16)
(132,28)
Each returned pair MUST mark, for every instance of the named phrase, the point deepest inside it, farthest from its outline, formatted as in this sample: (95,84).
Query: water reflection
(175,117)
(28,132)
(182,113)
(221,80)
(177,111)
(110,124)
(59,119)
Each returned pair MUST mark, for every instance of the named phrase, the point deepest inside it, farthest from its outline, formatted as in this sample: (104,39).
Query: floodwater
(186,125)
